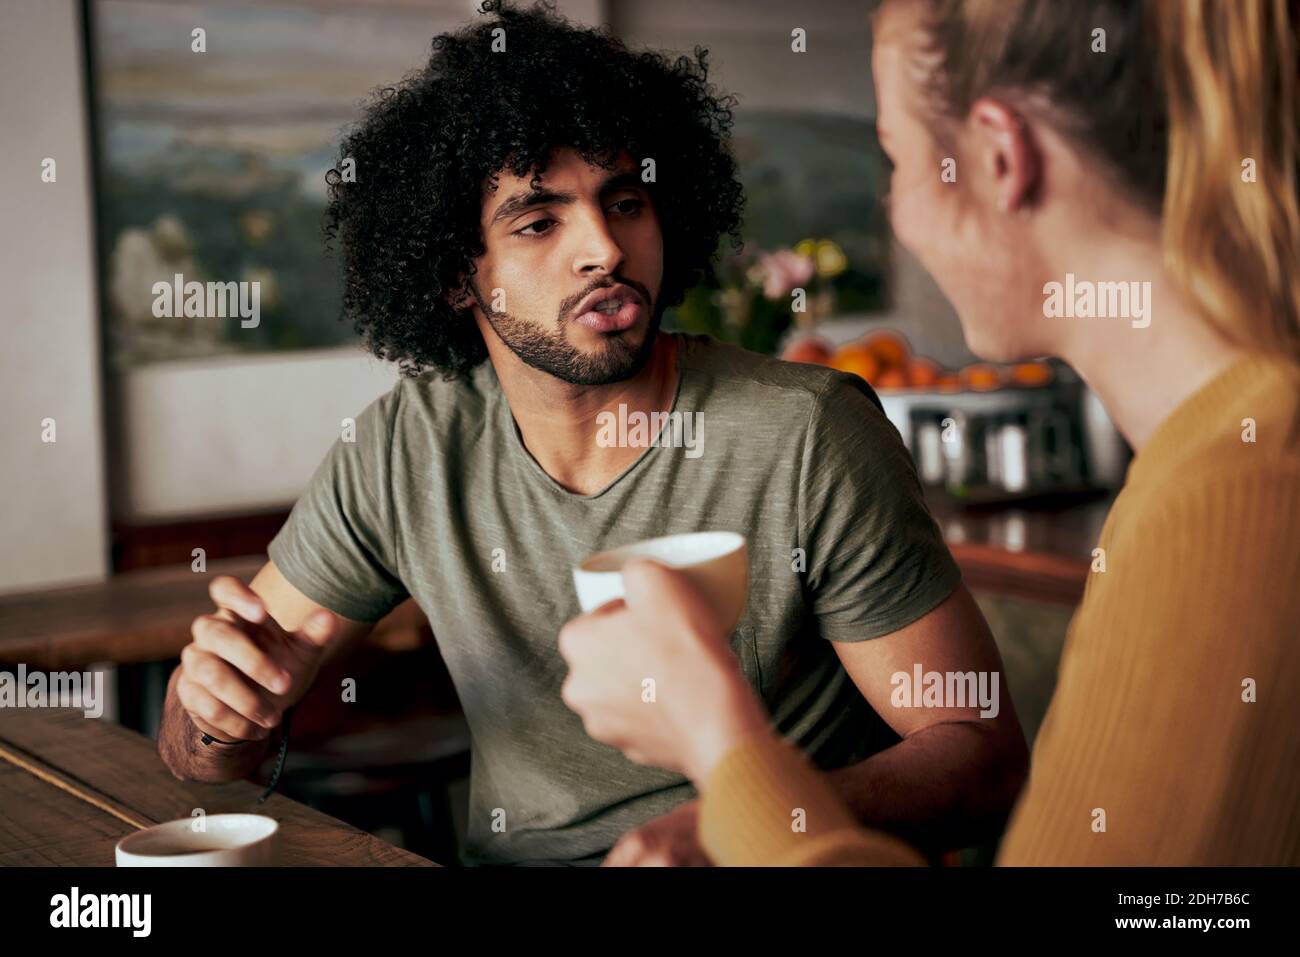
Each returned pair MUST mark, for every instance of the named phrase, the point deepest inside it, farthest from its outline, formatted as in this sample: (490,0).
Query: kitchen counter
(1039,550)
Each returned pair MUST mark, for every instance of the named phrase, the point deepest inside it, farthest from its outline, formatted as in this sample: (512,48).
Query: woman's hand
(653,675)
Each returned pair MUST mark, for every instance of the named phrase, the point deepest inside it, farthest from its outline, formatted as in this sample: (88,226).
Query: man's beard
(550,352)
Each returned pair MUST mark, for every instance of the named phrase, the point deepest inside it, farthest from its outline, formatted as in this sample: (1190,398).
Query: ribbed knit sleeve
(1172,738)
(764,804)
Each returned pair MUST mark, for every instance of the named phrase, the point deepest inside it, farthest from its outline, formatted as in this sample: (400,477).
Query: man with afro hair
(523,210)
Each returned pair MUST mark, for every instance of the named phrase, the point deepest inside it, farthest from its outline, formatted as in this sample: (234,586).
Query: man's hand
(242,670)
(671,840)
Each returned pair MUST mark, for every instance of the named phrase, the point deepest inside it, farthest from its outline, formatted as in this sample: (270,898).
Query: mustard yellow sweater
(1173,737)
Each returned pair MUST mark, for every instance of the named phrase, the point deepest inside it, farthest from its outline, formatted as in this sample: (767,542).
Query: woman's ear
(1008,155)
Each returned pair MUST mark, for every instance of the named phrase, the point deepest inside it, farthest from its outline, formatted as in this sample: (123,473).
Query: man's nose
(598,251)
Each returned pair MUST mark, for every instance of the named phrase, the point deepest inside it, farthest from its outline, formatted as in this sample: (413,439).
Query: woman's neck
(1142,368)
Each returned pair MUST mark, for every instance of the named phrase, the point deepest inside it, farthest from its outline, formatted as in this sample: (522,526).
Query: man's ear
(1008,156)
(459,297)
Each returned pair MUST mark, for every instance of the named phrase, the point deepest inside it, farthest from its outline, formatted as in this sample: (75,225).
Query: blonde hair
(1230,74)
(1185,93)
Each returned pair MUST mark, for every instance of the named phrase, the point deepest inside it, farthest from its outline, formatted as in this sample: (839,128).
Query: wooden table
(42,824)
(135,617)
(141,616)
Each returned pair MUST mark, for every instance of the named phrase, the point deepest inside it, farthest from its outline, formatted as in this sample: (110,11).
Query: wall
(53,526)
(229,435)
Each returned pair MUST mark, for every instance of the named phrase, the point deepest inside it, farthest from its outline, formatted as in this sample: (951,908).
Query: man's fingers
(228,686)
(320,628)
(230,593)
(217,718)
(226,640)
(638,850)
(625,851)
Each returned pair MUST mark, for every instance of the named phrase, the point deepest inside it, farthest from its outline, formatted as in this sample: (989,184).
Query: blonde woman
(1153,145)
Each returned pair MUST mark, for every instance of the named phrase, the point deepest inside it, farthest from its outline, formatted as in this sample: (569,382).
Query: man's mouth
(610,310)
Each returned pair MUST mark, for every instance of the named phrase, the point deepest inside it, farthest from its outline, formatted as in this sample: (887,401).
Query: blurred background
(143,454)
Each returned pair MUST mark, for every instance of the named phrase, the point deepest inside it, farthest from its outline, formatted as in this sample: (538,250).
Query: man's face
(585,231)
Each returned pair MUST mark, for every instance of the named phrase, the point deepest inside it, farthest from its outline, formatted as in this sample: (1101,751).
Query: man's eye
(629,205)
(545,225)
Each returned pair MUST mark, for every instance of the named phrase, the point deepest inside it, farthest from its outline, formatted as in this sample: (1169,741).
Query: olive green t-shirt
(437,498)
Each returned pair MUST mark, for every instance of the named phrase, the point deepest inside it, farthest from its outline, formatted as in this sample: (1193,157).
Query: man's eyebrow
(543,197)
(536,197)
(628,179)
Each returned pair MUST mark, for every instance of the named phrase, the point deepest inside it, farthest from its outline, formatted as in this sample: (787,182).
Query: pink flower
(784,271)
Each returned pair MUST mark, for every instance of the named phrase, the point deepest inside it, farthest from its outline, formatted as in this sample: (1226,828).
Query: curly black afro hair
(409,225)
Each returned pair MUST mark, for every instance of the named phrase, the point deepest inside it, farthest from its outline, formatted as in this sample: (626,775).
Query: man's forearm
(947,786)
(189,759)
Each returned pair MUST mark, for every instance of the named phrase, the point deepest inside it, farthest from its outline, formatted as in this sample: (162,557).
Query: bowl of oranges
(886,361)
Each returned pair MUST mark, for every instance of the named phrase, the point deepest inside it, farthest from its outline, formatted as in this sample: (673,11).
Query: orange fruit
(856,360)
(893,378)
(948,382)
(981,377)
(889,348)
(923,373)
(808,349)
(1031,373)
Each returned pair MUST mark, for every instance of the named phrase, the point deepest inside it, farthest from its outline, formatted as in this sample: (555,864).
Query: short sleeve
(875,558)
(338,546)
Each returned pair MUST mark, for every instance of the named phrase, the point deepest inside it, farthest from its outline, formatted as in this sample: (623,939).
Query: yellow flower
(830,259)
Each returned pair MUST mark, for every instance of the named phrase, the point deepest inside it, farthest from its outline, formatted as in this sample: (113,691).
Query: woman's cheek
(914,223)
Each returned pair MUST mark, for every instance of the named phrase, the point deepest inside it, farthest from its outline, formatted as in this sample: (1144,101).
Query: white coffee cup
(716,563)
(226,840)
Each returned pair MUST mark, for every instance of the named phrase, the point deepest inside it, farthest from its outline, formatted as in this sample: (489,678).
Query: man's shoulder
(430,403)
(748,380)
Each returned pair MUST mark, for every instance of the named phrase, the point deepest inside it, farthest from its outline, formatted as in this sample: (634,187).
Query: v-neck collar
(506,421)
